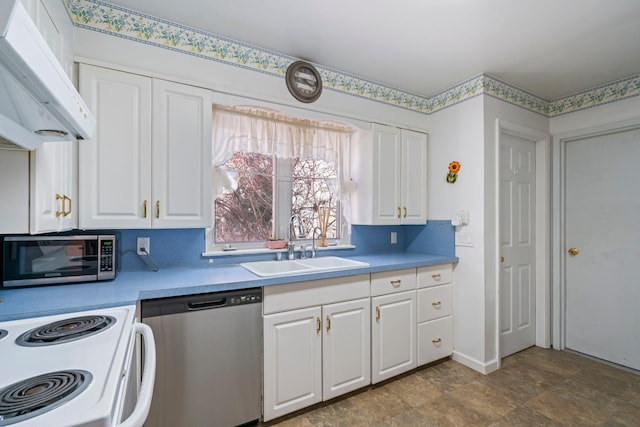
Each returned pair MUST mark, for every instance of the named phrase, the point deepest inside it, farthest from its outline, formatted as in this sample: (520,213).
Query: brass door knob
(573,251)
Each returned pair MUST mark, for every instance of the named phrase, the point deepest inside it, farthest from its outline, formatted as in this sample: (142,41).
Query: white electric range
(75,369)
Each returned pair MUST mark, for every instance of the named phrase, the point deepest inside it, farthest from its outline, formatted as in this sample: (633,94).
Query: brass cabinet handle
(436,304)
(436,276)
(573,251)
(319,325)
(436,341)
(377,314)
(396,283)
(64,211)
(60,212)
(405,211)
(399,211)
(158,209)
(501,259)
(328,323)
(144,209)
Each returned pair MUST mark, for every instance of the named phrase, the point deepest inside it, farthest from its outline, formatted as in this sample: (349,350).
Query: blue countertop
(129,287)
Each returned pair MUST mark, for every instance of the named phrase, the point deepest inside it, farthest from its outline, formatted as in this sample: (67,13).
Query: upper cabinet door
(386,174)
(53,187)
(115,166)
(182,128)
(414,177)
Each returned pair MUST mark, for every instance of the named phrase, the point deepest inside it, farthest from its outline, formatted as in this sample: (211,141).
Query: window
(268,166)
(248,213)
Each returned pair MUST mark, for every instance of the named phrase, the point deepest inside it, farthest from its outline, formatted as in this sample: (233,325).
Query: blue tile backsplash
(172,248)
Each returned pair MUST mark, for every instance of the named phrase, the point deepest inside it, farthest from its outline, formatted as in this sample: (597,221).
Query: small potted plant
(276,243)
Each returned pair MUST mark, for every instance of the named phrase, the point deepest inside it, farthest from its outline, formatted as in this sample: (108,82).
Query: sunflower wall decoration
(454,168)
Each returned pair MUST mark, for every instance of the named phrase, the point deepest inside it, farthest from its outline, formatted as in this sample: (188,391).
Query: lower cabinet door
(393,334)
(435,340)
(346,347)
(292,361)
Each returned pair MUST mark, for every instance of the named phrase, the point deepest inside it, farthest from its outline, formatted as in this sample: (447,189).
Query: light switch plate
(464,239)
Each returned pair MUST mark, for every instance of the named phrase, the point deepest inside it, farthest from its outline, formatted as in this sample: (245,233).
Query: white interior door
(517,244)
(602,207)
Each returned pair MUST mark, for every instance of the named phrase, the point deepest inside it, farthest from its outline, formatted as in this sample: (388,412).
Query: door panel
(517,244)
(346,347)
(394,334)
(602,207)
(292,361)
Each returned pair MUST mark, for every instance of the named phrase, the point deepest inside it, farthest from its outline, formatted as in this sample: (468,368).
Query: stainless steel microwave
(47,260)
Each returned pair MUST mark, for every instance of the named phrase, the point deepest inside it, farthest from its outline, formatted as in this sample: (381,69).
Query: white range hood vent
(38,102)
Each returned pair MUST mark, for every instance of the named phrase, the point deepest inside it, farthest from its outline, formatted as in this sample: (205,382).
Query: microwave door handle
(141,411)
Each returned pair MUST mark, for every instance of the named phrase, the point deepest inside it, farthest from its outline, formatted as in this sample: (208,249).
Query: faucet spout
(291,245)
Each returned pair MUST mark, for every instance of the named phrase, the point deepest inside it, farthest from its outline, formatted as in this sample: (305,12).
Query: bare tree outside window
(312,190)
(246,214)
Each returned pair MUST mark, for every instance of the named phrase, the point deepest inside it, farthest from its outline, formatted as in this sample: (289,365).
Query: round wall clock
(303,81)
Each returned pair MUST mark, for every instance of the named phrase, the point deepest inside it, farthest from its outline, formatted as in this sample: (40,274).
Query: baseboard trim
(476,365)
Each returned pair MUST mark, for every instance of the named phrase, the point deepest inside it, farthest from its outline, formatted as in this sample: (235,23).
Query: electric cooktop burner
(37,395)
(3,334)
(65,330)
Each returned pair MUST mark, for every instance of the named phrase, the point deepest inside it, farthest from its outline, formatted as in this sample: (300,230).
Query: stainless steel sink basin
(301,266)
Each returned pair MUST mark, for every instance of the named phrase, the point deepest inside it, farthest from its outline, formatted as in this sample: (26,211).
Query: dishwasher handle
(203,305)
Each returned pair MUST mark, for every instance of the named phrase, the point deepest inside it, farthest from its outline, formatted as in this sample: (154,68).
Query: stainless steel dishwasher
(209,359)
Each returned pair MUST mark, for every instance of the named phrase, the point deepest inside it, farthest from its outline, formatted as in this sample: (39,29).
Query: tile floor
(536,387)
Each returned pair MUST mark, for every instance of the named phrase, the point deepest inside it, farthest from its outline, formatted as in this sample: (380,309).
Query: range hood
(38,102)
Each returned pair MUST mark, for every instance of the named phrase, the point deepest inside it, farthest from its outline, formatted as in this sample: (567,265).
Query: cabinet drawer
(435,340)
(389,282)
(434,275)
(292,296)
(435,302)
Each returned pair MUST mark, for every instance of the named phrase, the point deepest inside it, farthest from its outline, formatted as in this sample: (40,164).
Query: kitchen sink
(301,266)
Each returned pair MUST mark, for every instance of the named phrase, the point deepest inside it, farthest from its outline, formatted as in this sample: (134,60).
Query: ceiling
(550,48)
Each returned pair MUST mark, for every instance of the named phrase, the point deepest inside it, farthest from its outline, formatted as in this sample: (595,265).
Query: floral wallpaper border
(103,17)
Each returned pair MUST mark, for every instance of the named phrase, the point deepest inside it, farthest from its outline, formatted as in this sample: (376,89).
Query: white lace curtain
(264,131)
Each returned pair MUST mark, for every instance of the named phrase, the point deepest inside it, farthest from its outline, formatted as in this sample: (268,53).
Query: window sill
(256,251)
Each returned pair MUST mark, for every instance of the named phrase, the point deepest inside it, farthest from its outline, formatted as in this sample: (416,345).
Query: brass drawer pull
(399,211)
(436,304)
(377,313)
(436,341)
(319,323)
(158,209)
(405,211)
(60,212)
(144,209)
(396,283)
(436,276)
(64,199)
(328,323)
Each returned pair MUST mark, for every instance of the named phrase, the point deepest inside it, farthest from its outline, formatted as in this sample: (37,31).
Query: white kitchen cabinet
(346,347)
(393,335)
(393,323)
(435,313)
(391,173)
(292,361)
(53,183)
(56,28)
(316,342)
(149,163)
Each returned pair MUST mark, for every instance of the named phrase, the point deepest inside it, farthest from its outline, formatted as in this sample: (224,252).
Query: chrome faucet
(291,247)
(314,248)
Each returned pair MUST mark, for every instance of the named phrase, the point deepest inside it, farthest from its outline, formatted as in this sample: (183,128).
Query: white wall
(456,133)
(466,132)
(228,79)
